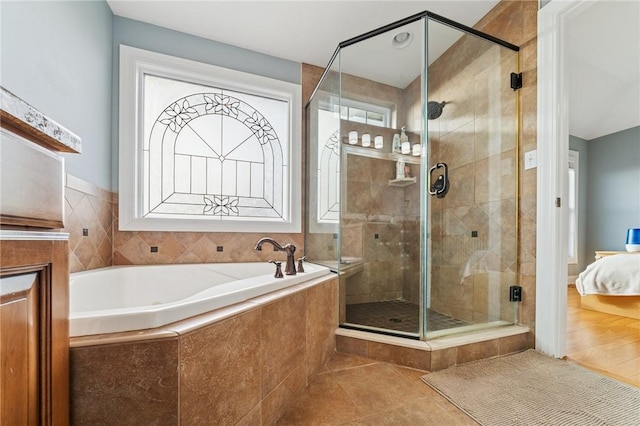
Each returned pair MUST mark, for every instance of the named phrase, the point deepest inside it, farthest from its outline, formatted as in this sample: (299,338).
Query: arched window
(211,153)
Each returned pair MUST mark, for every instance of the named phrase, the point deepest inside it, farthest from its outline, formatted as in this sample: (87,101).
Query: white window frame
(134,64)
(366,107)
(572,207)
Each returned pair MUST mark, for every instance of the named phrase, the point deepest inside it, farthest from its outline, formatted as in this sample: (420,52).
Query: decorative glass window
(328,169)
(206,148)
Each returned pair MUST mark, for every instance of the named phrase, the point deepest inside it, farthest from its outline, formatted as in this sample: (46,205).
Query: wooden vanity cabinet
(34,266)
(34,331)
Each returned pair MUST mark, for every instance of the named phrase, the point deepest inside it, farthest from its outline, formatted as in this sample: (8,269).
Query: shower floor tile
(398,315)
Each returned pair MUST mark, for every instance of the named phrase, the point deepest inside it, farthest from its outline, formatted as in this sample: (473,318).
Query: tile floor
(350,390)
(398,315)
(357,391)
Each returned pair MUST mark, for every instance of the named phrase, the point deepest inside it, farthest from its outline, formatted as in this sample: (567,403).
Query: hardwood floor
(608,344)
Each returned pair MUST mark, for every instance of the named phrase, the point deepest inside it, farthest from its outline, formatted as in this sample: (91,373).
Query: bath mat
(533,389)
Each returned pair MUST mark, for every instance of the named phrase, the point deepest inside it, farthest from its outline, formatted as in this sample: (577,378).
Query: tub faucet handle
(300,260)
(278,273)
(289,249)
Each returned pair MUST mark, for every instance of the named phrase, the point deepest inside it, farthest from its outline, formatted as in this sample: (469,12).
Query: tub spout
(289,249)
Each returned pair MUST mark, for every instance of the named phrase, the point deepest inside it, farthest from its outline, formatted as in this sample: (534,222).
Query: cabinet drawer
(32,183)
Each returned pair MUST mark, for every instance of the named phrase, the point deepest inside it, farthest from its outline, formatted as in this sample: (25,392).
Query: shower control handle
(440,189)
(300,264)
(278,273)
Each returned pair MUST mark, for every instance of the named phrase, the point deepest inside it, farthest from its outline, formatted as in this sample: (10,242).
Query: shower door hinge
(515,293)
(516,81)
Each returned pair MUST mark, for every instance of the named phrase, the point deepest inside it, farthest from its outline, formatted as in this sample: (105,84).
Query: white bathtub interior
(127,298)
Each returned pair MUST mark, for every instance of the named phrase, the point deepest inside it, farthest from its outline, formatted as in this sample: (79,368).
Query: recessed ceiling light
(402,39)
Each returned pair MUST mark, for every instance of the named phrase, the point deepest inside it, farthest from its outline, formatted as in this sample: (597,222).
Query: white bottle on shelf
(405,147)
(395,146)
(399,169)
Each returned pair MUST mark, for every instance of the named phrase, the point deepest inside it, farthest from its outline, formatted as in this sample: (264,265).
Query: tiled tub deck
(243,364)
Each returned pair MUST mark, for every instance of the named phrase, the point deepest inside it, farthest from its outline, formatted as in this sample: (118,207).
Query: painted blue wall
(162,40)
(62,57)
(582,146)
(613,199)
(56,55)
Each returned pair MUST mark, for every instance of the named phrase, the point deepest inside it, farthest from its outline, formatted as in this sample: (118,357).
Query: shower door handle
(440,186)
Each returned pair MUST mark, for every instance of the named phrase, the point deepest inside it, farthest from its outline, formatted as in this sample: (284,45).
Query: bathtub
(128,298)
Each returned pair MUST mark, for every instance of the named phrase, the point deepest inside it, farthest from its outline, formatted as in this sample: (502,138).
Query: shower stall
(412,178)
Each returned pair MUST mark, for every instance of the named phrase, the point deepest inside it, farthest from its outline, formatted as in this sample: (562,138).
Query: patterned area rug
(533,389)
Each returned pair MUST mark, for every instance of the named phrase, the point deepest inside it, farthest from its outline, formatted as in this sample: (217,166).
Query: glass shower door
(473,224)
(380,220)
(322,226)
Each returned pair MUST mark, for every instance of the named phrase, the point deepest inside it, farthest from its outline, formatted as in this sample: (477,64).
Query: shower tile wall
(378,226)
(487,176)
(371,207)
(516,22)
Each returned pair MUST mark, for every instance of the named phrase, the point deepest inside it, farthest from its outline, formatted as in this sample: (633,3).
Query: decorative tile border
(80,185)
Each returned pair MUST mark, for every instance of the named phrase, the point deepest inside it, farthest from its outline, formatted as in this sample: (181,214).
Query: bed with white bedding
(612,285)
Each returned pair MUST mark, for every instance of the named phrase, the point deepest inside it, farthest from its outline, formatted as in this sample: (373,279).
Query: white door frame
(553,147)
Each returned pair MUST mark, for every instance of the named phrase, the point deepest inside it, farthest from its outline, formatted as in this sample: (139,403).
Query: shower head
(434,109)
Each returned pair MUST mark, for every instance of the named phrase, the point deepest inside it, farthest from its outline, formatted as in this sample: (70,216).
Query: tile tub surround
(88,207)
(95,209)
(244,364)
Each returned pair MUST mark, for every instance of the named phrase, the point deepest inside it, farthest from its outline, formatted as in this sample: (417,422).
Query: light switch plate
(530,159)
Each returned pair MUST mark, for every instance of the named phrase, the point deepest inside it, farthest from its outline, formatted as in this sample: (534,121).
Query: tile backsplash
(88,218)
(93,211)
